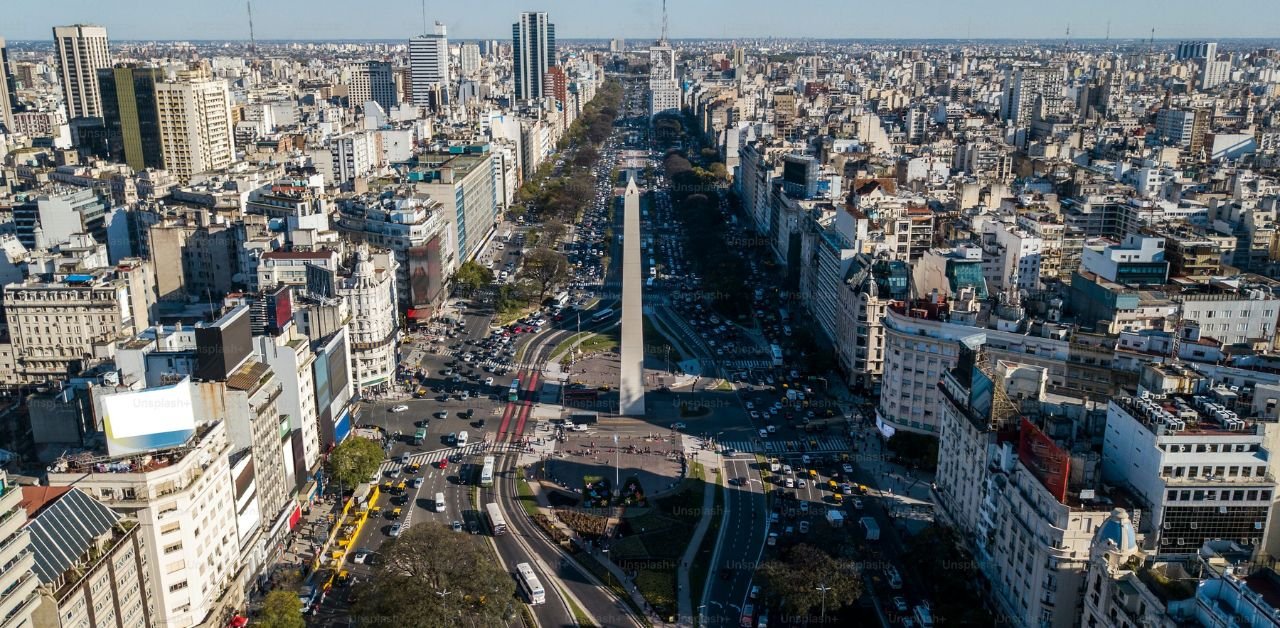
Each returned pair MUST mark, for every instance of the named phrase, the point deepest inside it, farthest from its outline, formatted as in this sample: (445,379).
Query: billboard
(321,281)
(147,420)
(1045,459)
(425,274)
(224,345)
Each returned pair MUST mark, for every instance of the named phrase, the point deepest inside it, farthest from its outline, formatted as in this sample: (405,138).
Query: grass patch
(525,494)
(579,615)
(504,318)
(658,345)
(588,343)
(724,386)
(659,588)
(700,569)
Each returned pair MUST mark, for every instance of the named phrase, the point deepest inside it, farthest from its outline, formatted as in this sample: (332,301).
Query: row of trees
(695,197)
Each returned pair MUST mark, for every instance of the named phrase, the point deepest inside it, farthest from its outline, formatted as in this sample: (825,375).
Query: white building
(664,90)
(370,292)
(19,586)
(196,132)
(469,59)
(81,51)
(371,80)
(429,66)
(353,155)
(1203,471)
(182,500)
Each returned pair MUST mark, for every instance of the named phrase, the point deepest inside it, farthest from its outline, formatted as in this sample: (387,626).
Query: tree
(354,460)
(471,276)
(545,268)
(435,577)
(794,580)
(281,609)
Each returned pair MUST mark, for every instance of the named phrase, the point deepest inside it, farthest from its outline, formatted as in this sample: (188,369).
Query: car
(763,433)
(806,459)
(804,506)
(441,414)
(399,408)
(416,483)
(755,414)
(900,604)
(772,429)
(800,483)
(456,526)
(397,530)
(857,504)
(774,517)
(846,467)
(361,555)
(755,592)
(488,381)
(804,526)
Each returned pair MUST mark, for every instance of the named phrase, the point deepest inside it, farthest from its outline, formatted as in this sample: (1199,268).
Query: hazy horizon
(329,20)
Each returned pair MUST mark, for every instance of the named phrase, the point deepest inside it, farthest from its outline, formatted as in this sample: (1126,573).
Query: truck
(872,528)
(836,519)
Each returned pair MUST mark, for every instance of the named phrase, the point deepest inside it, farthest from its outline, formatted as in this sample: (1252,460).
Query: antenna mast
(253,43)
(424,17)
(664,20)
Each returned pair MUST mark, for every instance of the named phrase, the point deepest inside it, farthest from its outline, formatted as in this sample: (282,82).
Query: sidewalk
(710,463)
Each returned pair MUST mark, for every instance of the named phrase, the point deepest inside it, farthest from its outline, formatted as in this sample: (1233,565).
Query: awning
(239,621)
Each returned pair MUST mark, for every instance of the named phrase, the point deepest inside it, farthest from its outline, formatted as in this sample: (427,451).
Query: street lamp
(824,588)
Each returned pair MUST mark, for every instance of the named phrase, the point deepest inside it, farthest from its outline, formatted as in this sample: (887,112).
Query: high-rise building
(130,115)
(664,90)
(370,290)
(90,561)
(1030,87)
(1196,50)
(8,88)
(195,124)
(19,594)
(470,58)
(371,80)
(429,66)
(533,50)
(82,51)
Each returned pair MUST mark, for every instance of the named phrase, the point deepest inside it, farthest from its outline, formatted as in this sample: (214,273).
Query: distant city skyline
(640,20)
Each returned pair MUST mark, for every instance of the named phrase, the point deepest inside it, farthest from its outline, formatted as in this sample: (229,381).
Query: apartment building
(19,586)
(370,290)
(463,181)
(90,560)
(196,128)
(81,50)
(181,498)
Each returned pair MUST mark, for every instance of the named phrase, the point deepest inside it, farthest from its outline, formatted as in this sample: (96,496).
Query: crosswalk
(748,364)
(428,458)
(766,446)
(491,364)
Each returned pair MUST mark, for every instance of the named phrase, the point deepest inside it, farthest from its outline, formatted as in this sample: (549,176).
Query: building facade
(533,50)
(81,51)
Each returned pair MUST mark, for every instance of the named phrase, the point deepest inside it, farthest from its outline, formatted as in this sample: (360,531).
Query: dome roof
(1117,532)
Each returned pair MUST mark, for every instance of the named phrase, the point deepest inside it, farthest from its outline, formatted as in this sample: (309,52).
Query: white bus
(776,353)
(497,523)
(529,584)
(486,473)
(602,315)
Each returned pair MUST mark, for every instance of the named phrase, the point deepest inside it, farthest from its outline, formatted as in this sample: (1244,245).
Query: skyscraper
(8,89)
(371,80)
(664,91)
(195,124)
(533,50)
(82,51)
(429,66)
(470,58)
(130,114)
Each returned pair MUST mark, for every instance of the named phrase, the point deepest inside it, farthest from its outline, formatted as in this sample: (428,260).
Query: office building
(19,586)
(1202,470)
(196,130)
(46,220)
(131,115)
(353,155)
(91,561)
(1196,50)
(371,80)
(463,181)
(469,59)
(429,67)
(664,91)
(8,89)
(81,51)
(533,50)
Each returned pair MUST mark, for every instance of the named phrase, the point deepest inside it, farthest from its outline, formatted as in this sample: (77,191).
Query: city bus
(776,353)
(420,436)
(486,473)
(530,585)
(497,523)
(602,315)
(513,393)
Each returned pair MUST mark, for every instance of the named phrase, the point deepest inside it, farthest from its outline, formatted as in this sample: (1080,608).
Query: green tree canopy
(436,577)
(794,581)
(354,460)
(471,276)
(281,609)
(545,268)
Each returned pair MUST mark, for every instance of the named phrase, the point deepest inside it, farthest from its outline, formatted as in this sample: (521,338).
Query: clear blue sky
(640,19)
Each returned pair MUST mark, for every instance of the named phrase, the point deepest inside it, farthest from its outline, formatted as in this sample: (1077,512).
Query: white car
(397,530)
(488,381)
(399,408)
(677,426)
(847,468)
